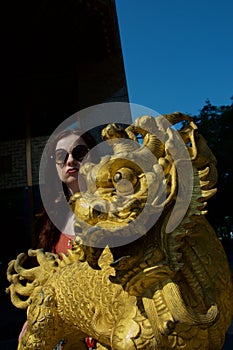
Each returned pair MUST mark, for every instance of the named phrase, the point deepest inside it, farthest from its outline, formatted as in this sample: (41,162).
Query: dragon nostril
(97,210)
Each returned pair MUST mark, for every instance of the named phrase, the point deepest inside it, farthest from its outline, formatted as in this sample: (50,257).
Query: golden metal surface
(169,286)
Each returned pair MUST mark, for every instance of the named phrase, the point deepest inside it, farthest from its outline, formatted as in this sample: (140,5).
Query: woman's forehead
(69,141)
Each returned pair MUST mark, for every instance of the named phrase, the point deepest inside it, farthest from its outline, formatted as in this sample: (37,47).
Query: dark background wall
(57,58)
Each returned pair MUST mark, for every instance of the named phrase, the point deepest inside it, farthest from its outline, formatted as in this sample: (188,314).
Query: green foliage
(215,123)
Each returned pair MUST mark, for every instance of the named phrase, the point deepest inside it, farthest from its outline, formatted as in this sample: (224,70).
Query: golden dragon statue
(146,270)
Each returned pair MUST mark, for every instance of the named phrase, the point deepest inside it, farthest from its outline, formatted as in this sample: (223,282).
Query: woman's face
(68,160)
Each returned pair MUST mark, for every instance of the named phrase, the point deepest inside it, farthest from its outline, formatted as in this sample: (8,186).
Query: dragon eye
(117,177)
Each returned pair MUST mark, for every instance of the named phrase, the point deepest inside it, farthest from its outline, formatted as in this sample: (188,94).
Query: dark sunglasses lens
(79,152)
(61,156)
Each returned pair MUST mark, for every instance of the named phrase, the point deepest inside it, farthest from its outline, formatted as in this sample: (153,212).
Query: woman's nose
(71,159)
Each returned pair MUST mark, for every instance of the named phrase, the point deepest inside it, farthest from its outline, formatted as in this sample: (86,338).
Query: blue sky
(177,53)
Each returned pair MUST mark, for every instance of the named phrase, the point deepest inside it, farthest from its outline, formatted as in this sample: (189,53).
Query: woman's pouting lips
(72,170)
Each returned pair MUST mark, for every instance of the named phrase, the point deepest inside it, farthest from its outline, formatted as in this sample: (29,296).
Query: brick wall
(13,165)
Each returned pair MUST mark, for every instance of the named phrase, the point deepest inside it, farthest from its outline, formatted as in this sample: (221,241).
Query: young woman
(65,153)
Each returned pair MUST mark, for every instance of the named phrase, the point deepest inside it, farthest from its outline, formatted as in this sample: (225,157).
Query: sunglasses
(78,153)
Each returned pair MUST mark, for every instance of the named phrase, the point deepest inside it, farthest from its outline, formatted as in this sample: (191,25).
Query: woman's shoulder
(64,243)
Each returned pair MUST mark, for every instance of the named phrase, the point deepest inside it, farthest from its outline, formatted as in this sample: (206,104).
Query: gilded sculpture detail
(147,270)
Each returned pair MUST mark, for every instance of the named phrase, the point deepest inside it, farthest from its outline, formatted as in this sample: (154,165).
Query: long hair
(47,233)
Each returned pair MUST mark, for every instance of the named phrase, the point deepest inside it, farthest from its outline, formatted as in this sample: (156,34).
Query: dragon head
(132,193)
